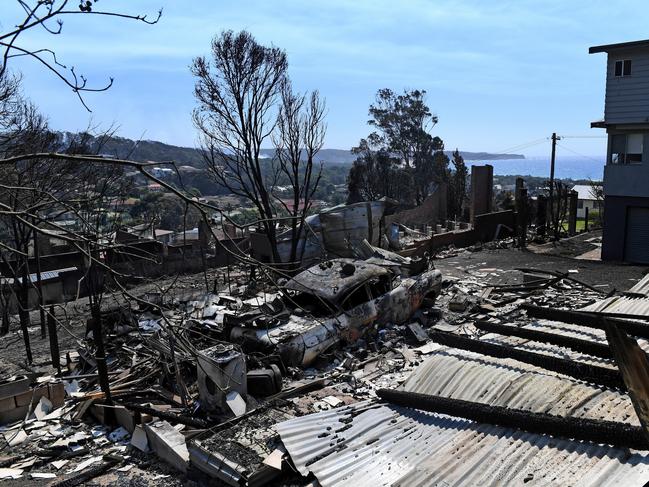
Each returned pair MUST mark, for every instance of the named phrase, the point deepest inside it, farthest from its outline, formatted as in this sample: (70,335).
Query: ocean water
(576,167)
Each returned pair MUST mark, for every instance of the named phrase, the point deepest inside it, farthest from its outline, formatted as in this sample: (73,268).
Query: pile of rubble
(201,380)
(373,371)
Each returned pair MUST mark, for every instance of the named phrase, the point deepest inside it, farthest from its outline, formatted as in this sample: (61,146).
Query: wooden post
(39,285)
(54,340)
(573,200)
(4,327)
(634,367)
(23,316)
(100,354)
(586,219)
(521,212)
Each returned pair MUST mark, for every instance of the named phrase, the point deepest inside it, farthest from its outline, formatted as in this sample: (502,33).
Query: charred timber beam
(54,338)
(579,370)
(588,347)
(529,286)
(597,431)
(634,367)
(586,319)
(173,417)
(564,276)
(84,476)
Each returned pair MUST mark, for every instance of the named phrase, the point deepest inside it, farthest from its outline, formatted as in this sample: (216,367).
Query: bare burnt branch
(41,13)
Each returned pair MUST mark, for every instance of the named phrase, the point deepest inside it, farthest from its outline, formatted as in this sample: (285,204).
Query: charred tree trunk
(54,340)
(4,302)
(100,353)
(39,286)
(95,293)
(23,314)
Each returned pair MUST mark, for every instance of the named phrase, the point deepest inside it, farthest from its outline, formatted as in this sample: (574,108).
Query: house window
(623,68)
(627,148)
(580,204)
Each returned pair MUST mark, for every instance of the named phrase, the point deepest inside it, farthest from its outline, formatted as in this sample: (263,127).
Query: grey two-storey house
(626,174)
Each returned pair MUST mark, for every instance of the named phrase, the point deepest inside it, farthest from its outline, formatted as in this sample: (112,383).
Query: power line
(532,143)
(584,136)
(524,145)
(581,155)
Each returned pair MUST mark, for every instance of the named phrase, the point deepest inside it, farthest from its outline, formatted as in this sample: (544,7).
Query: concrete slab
(168,444)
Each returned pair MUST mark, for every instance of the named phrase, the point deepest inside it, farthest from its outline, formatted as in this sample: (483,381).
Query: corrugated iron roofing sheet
(564,329)
(621,306)
(45,275)
(641,287)
(377,445)
(372,444)
(469,376)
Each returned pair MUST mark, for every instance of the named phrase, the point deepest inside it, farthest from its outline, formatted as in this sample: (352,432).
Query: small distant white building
(164,236)
(162,172)
(586,199)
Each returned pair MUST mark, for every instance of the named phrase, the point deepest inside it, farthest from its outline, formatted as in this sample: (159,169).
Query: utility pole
(552,159)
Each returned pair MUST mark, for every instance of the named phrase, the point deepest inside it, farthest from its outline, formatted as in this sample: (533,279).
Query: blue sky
(498,73)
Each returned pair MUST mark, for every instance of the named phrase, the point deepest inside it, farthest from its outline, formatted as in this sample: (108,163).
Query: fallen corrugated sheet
(373,444)
(641,287)
(623,306)
(460,374)
(545,348)
(562,329)
(370,445)
(469,376)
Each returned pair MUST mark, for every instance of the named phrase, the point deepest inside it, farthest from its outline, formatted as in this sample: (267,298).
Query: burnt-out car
(333,301)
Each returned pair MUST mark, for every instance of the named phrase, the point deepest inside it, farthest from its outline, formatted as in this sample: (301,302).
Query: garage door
(636,243)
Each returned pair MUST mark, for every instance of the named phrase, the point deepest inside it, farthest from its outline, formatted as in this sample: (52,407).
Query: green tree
(457,186)
(400,158)
(376,173)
